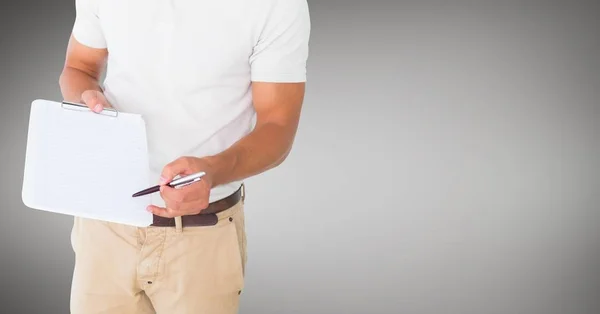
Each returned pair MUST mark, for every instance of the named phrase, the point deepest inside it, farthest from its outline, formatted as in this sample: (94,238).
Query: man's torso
(183,65)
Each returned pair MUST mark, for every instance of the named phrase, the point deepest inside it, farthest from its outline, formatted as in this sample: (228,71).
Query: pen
(174,184)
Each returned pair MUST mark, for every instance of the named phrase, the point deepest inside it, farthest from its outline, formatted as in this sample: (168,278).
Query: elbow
(287,149)
(283,156)
(63,79)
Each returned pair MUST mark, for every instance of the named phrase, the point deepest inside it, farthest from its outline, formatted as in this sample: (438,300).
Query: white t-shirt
(187,66)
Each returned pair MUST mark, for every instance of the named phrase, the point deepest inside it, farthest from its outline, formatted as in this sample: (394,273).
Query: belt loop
(178,224)
(243,192)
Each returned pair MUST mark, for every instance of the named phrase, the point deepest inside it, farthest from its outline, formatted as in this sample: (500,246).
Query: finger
(162,211)
(177,167)
(172,194)
(192,207)
(94,100)
(173,198)
(188,208)
(188,193)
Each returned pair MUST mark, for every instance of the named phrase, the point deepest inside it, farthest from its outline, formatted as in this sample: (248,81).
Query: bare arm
(278,72)
(80,78)
(278,107)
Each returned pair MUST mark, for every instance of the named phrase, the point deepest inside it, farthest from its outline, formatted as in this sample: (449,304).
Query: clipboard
(86,164)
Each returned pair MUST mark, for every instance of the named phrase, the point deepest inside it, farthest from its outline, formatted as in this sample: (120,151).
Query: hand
(190,199)
(95,100)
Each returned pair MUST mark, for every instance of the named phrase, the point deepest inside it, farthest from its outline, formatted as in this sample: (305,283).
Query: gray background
(447,161)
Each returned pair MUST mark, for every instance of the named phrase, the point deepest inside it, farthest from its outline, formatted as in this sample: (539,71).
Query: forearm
(266,147)
(74,82)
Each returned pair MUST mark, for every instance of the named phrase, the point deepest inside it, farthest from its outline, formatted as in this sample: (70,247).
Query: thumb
(95,100)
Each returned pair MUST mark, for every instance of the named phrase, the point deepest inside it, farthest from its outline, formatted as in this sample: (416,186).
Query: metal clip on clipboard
(80,107)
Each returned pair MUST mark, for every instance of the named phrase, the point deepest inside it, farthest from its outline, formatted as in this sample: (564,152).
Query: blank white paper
(85,164)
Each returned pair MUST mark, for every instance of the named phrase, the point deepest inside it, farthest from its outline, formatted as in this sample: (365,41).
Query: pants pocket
(209,260)
(233,257)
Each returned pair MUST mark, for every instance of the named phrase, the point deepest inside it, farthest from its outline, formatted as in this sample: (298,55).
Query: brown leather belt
(208,216)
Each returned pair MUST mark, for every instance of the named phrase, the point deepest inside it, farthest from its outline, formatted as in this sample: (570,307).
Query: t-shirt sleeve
(281,53)
(87,28)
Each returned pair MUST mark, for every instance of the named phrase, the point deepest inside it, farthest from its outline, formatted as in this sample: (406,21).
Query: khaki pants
(170,270)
